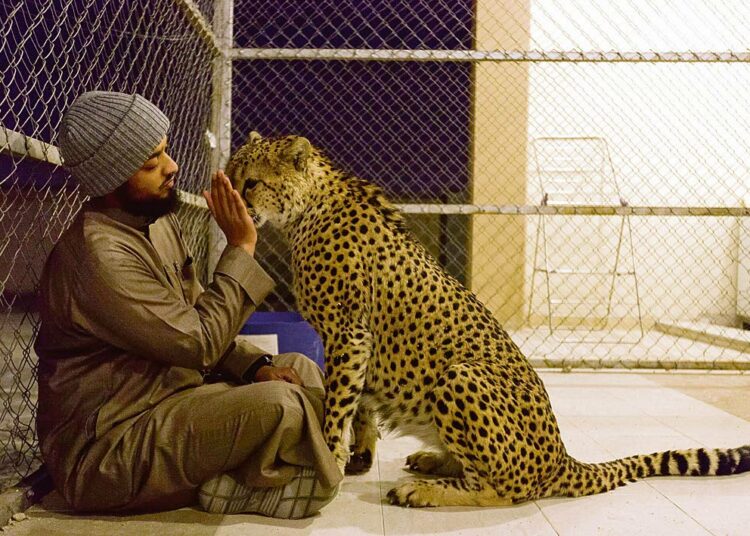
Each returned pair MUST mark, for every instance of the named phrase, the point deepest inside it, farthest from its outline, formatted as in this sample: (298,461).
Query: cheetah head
(272,177)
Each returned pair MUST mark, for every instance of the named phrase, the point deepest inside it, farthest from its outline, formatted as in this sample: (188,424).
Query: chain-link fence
(581,165)
(50,52)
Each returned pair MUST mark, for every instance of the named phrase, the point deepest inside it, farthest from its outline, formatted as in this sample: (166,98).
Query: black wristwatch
(263,361)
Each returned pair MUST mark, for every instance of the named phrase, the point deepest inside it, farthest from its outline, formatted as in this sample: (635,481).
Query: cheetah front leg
(347,356)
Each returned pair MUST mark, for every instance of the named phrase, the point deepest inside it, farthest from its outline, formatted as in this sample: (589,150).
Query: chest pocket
(181,277)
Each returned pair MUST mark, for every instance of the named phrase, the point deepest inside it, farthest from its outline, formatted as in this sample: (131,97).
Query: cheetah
(408,347)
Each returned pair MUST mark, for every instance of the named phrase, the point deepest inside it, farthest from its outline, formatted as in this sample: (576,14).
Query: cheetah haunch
(408,345)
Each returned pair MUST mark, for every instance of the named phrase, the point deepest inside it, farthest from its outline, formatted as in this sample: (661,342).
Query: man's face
(151,190)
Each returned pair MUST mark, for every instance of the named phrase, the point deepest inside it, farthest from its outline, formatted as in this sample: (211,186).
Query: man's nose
(172,166)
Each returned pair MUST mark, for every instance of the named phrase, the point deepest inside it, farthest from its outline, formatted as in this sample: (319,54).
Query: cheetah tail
(577,478)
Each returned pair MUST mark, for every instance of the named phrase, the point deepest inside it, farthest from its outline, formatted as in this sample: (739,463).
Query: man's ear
(253,137)
(297,153)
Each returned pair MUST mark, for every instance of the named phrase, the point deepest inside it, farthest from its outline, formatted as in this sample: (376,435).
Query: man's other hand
(283,374)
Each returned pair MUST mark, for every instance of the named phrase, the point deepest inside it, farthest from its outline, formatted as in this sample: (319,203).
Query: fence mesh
(581,165)
(50,52)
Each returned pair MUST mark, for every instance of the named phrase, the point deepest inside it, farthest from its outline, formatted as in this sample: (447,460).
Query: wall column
(500,115)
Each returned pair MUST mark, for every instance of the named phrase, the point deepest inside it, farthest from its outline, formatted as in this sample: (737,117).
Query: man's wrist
(263,361)
(250,248)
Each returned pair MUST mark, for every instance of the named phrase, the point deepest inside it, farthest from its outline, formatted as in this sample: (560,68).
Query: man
(125,419)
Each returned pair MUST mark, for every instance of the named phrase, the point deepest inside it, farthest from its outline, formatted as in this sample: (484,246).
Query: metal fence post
(220,135)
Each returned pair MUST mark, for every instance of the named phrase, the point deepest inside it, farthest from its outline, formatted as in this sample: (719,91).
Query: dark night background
(403,125)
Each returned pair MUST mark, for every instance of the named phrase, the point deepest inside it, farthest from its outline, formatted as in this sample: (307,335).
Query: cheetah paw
(417,494)
(359,463)
(424,462)
(434,463)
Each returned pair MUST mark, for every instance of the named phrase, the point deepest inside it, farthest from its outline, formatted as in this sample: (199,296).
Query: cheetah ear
(253,137)
(297,153)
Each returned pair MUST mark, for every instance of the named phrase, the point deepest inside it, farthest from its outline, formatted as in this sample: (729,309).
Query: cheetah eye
(249,185)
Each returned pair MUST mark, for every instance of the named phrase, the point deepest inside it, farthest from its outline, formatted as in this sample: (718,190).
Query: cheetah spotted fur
(408,347)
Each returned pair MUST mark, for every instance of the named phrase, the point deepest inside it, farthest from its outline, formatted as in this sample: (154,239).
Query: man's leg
(247,488)
(263,433)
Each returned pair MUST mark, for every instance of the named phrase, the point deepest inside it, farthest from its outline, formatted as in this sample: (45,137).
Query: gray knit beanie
(105,137)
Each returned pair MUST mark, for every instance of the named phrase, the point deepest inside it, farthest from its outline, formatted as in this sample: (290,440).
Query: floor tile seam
(667,421)
(698,442)
(547,519)
(677,434)
(709,404)
(380,492)
(649,481)
(663,419)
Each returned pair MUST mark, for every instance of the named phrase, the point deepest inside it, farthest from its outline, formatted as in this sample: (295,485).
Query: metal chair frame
(541,234)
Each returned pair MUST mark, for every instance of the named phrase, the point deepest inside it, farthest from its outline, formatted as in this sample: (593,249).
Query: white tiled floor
(601,415)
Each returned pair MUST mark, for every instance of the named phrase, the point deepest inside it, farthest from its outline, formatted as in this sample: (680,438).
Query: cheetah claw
(411,494)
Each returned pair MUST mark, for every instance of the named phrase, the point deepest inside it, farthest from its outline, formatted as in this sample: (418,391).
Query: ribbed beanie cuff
(105,137)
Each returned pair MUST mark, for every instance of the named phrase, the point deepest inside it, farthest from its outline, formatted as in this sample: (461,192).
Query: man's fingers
(237,205)
(222,197)
(242,213)
(288,375)
(215,193)
(226,199)
(209,202)
(281,374)
(293,377)
(213,197)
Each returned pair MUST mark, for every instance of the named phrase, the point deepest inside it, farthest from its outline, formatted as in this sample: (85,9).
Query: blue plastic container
(293,333)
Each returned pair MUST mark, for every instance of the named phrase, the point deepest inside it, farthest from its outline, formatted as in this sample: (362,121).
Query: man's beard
(151,208)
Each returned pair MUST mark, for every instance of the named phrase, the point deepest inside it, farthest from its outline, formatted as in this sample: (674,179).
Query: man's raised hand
(230,212)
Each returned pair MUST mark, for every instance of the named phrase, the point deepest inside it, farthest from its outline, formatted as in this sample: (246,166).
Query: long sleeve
(128,297)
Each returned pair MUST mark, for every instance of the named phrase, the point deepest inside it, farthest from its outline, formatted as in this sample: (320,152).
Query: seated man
(125,419)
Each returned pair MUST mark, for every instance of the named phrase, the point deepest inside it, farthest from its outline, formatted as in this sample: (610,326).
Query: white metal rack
(575,171)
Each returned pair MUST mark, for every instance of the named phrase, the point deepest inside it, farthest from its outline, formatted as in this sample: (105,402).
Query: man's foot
(302,497)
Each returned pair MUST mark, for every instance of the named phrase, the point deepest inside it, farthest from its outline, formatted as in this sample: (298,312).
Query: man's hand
(230,213)
(283,374)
